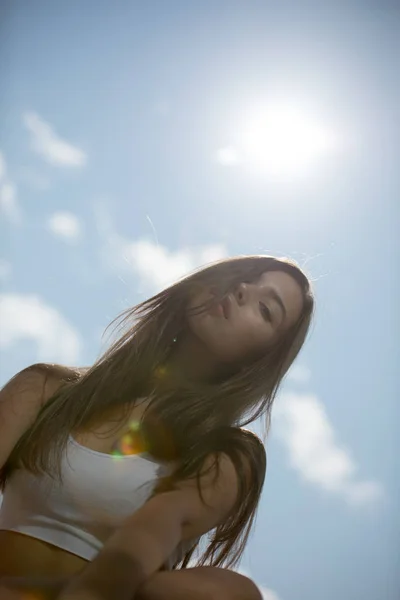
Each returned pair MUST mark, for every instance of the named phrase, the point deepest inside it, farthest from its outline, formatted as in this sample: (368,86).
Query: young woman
(113,474)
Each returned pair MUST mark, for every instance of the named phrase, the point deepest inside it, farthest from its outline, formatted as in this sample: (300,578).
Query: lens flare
(130,443)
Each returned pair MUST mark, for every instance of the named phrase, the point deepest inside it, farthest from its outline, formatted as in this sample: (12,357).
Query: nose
(242,294)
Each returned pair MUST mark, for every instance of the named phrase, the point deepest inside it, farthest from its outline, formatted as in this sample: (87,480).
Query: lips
(223,308)
(226,307)
(217,310)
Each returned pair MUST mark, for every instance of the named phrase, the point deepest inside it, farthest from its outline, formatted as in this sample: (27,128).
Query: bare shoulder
(225,479)
(22,398)
(226,470)
(38,382)
(241,463)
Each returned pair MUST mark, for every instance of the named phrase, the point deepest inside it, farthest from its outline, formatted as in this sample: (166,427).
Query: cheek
(230,344)
(260,341)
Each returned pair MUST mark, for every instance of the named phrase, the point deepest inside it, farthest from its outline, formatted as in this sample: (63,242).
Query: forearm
(113,575)
(137,550)
(199,583)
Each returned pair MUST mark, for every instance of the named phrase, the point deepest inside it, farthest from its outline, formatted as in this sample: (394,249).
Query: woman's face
(249,320)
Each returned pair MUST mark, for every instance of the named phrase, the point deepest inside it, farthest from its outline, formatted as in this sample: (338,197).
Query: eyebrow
(275,296)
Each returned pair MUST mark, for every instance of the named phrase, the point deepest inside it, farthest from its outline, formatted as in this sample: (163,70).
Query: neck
(191,363)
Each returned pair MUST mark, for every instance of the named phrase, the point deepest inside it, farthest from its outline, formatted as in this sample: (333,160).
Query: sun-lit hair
(185,424)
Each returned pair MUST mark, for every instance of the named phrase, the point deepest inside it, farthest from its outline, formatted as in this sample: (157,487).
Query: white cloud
(227,156)
(8,202)
(158,267)
(299,374)
(300,421)
(8,195)
(65,225)
(50,146)
(29,318)
(155,265)
(5,269)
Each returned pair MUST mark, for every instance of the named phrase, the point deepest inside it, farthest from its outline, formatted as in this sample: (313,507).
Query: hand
(112,575)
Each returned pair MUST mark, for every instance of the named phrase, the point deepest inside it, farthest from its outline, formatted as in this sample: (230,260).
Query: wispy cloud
(65,225)
(158,267)
(50,146)
(301,423)
(155,265)
(9,204)
(29,318)
(8,195)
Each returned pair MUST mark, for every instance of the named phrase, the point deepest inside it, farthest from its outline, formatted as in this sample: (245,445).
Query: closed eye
(266,313)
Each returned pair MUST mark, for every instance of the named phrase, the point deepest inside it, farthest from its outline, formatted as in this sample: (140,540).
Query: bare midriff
(24,556)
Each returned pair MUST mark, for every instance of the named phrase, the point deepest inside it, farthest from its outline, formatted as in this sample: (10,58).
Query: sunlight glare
(282,141)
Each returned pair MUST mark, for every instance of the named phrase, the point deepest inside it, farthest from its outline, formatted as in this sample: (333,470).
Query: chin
(226,357)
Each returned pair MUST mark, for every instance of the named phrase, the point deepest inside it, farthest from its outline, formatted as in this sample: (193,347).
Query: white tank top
(97,493)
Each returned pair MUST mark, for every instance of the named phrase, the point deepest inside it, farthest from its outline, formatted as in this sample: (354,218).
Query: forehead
(287,288)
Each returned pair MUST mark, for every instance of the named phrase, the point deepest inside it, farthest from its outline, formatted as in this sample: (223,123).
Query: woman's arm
(21,400)
(198,583)
(147,539)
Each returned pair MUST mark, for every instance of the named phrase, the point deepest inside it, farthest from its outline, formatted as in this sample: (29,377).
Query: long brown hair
(186,424)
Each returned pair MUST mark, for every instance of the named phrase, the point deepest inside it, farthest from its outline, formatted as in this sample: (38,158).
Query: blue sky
(135,147)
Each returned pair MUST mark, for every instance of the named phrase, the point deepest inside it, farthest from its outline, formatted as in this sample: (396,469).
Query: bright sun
(279,141)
